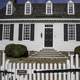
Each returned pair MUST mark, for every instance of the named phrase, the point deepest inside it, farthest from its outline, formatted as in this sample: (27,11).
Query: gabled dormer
(49,7)
(70,7)
(27,8)
(9,8)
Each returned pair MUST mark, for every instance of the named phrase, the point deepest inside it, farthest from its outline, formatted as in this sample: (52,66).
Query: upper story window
(27,8)
(9,8)
(70,8)
(49,7)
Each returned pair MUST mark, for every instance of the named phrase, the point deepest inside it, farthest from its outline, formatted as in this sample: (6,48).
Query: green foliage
(16,50)
(77,50)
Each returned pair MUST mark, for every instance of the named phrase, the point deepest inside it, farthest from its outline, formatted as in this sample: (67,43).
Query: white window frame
(28,35)
(69,5)
(8,8)
(6,36)
(49,5)
(69,33)
(28,3)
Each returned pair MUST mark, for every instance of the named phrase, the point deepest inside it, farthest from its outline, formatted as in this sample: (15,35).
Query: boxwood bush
(77,50)
(16,50)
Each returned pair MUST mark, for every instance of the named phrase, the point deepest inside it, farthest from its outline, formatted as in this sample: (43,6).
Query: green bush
(16,50)
(77,50)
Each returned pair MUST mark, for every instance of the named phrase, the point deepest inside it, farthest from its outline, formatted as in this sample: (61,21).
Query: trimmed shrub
(16,50)
(77,50)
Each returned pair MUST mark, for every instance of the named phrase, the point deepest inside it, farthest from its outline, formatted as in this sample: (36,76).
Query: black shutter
(20,32)
(1,29)
(65,32)
(78,32)
(11,31)
(32,32)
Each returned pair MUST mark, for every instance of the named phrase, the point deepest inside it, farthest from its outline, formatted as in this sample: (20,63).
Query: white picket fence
(71,63)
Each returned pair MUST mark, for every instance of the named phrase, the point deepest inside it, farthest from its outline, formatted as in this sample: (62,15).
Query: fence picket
(38,74)
(64,74)
(14,70)
(42,75)
(55,74)
(47,74)
(68,67)
(59,66)
(26,69)
(51,74)
(34,68)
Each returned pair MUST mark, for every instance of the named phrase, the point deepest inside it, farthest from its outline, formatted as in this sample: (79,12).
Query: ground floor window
(6,31)
(71,31)
(26,31)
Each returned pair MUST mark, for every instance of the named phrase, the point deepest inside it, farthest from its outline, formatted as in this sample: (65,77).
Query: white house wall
(38,43)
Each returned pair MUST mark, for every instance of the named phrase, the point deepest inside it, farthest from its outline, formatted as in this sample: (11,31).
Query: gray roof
(39,10)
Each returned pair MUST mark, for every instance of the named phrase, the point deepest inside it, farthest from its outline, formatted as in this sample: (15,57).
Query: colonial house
(41,26)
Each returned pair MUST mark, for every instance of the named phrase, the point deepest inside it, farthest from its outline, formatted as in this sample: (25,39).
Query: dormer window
(9,8)
(27,8)
(49,7)
(70,8)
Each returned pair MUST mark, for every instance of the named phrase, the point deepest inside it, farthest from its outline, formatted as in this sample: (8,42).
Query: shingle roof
(39,10)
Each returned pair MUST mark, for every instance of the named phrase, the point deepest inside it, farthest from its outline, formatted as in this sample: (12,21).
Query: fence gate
(44,71)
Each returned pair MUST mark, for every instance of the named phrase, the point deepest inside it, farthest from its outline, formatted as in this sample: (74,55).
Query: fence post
(77,66)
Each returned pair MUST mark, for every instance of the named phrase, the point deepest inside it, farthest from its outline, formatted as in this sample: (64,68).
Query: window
(49,8)
(71,32)
(6,31)
(27,31)
(9,8)
(71,10)
(27,8)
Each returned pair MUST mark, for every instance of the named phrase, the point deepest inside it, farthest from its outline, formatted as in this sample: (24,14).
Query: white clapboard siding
(72,63)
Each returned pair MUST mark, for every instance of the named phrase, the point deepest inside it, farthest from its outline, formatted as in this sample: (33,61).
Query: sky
(3,2)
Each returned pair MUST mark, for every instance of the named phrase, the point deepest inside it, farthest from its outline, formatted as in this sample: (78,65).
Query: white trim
(62,19)
(7,5)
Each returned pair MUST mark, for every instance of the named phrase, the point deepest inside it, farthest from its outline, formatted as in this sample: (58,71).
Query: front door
(48,37)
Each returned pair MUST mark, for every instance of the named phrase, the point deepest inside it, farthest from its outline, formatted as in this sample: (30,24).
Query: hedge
(16,50)
(77,50)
